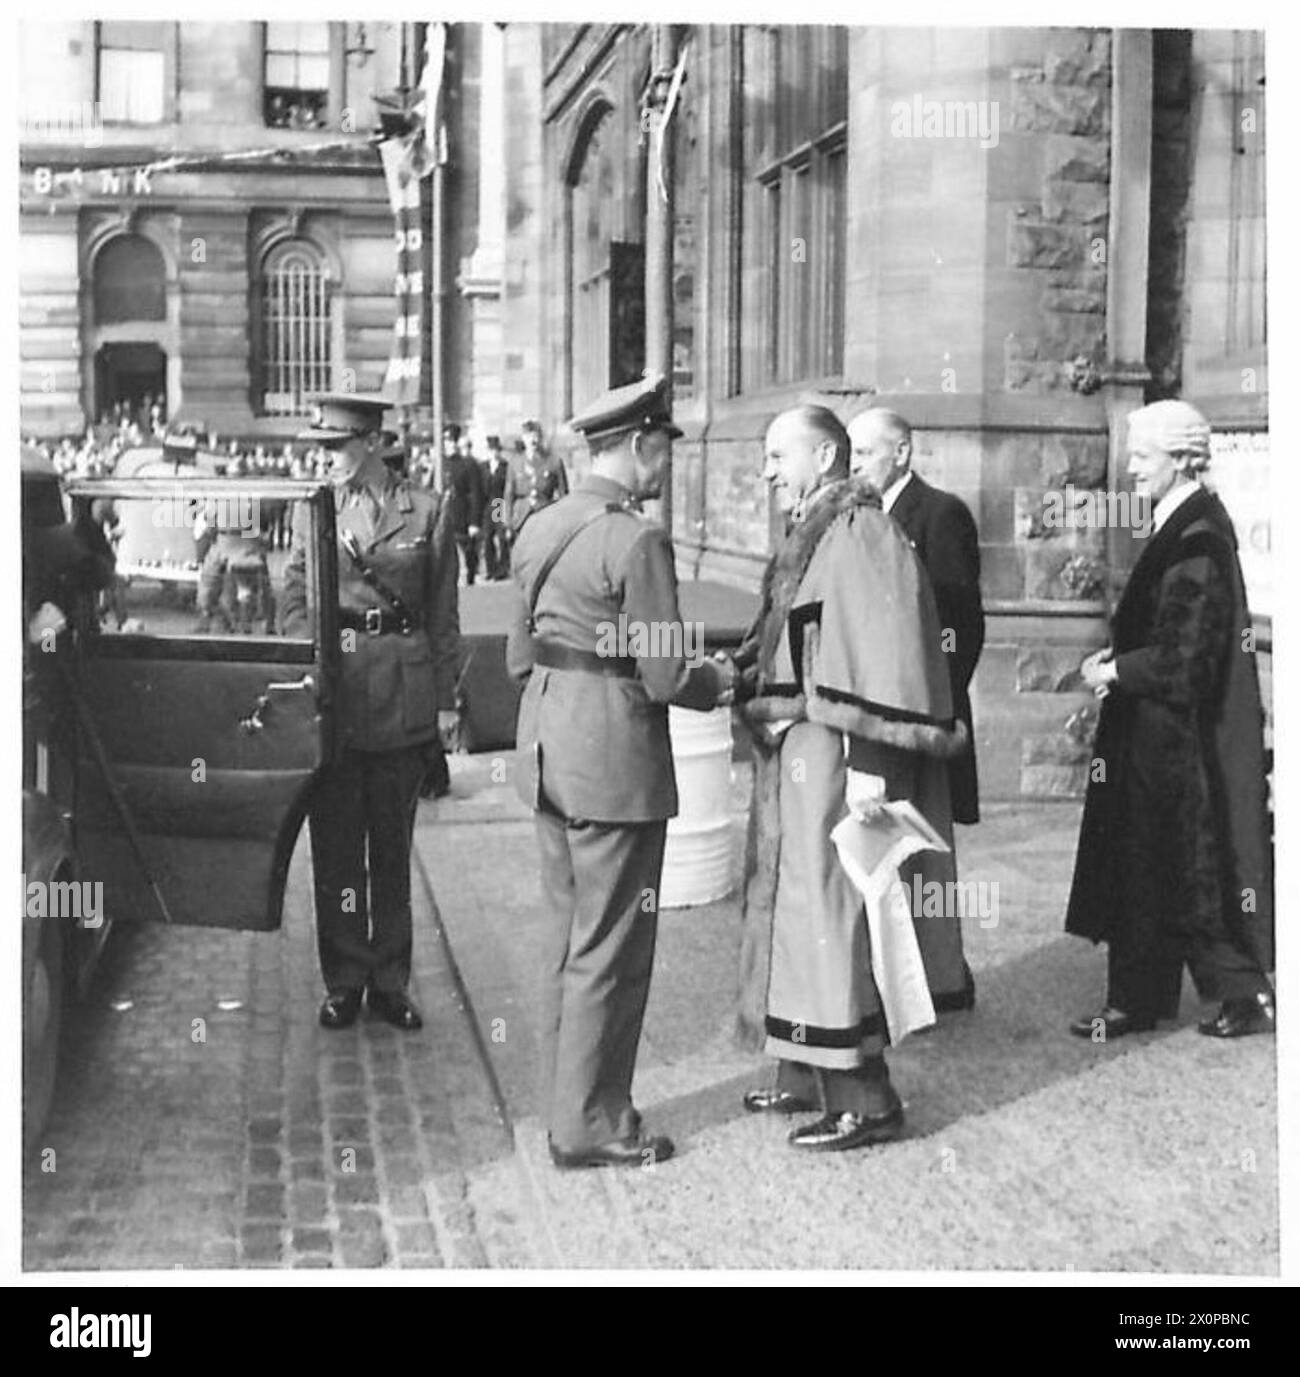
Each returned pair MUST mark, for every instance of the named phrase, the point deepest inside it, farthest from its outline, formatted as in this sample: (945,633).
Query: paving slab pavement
(1025,1149)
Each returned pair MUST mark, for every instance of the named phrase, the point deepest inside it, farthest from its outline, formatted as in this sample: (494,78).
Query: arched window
(296,351)
(605,276)
(130,281)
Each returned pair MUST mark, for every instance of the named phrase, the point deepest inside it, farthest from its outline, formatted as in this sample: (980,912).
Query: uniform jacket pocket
(419,688)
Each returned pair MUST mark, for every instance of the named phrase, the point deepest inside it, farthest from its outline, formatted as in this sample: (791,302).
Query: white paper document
(871,853)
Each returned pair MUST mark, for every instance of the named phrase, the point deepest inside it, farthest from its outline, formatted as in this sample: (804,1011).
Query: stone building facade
(235,285)
(1013,236)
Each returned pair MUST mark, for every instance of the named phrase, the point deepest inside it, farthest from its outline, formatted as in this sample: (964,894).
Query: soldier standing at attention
(400,646)
(536,478)
(596,766)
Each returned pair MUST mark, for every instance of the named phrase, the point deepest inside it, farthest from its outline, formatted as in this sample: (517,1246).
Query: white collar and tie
(894,491)
(1171,502)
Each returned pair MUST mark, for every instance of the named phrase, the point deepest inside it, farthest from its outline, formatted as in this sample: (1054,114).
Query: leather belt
(375,621)
(553,655)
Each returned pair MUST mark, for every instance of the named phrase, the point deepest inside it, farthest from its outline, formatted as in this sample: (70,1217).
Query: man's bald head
(824,427)
(805,447)
(881,443)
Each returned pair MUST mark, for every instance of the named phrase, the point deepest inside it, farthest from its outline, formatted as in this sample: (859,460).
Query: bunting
(407,159)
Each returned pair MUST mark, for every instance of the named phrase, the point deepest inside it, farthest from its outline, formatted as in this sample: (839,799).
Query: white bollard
(697,856)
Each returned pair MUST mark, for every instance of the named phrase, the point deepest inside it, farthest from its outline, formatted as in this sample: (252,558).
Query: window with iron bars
(297,354)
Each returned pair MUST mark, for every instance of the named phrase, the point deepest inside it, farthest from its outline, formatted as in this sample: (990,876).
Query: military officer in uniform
(536,478)
(234,577)
(596,766)
(400,643)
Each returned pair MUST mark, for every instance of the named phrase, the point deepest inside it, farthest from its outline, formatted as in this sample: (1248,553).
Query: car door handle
(253,722)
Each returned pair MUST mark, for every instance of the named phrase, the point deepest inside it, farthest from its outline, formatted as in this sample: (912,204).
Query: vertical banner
(402,381)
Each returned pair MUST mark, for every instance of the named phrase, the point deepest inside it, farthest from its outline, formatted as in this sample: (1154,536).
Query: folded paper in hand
(871,853)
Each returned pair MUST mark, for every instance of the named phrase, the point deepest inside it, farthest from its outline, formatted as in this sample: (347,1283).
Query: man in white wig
(1174,863)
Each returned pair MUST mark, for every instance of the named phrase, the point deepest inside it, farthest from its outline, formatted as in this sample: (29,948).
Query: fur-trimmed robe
(1175,837)
(848,639)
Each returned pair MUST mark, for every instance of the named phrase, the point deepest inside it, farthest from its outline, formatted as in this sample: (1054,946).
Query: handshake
(725,676)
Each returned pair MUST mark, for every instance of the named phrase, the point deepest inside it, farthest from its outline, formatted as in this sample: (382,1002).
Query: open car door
(200,727)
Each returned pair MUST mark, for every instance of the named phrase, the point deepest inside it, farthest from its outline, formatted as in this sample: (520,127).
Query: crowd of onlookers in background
(301,110)
(492,496)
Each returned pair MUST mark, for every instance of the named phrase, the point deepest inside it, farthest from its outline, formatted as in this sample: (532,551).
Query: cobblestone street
(190,1133)
(275,1144)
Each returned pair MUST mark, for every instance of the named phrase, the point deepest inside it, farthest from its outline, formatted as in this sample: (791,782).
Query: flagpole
(660,98)
(408,77)
(434,57)
(436,313)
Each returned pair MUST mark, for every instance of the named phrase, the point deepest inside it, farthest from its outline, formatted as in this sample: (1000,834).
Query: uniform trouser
(496,555)
(600,882)
(437,773)
(212,581)
(863,1090)
(469,553)
(362,817)
(1145,970)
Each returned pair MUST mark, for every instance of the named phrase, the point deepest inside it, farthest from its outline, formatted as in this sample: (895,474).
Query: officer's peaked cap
(640,405)
(341,415)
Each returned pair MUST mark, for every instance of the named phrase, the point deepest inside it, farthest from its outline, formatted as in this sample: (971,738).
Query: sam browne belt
(374,621)
(553,655)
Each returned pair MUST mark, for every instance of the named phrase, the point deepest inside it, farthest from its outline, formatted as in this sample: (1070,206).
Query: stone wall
(49,378)
(976,294)
(528,263)
(201,219)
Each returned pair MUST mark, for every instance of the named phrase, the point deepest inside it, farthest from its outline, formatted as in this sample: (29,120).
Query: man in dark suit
(596,765)
(400,642)
(462,477)
(496,516)
(943,533)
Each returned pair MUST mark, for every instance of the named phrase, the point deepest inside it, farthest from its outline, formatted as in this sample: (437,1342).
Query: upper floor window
(296,338)
(796,106)
(296,91)
(131,71)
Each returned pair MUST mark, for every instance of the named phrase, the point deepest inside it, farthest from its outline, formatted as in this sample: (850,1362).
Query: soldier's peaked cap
(341,415)
(640,405)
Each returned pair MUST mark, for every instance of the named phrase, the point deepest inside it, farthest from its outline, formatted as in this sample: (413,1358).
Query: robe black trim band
(800,619)
(883,710)
(812,1036)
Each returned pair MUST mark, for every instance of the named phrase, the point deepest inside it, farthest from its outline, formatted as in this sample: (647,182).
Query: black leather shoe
(639,1150)
(395,1008)
(772,1100)
(340,1010)
(1239,1018)
(841,1132)
(1115,1022)
(956,1000)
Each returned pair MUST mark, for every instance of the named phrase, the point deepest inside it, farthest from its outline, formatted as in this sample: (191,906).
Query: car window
(201,563)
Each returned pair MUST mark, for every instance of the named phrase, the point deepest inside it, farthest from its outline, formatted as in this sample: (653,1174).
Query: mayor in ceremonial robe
(1174,863)
(850,704)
